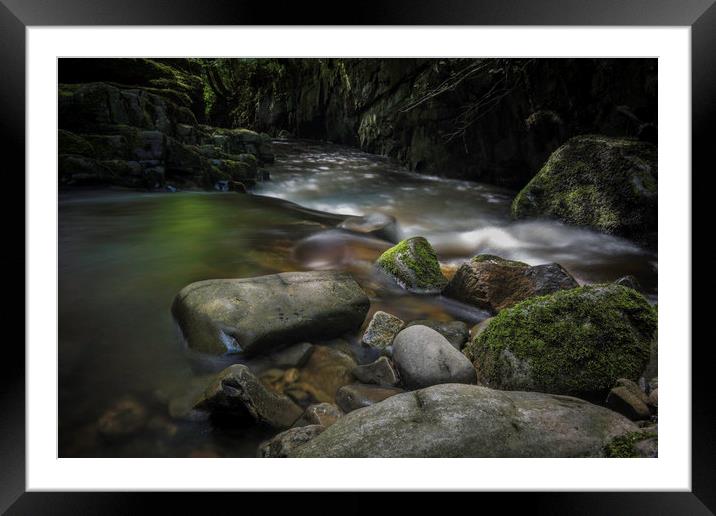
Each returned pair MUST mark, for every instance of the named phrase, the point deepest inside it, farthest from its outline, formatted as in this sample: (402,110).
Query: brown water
(123,256)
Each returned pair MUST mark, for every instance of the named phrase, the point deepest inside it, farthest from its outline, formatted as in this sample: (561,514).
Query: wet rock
(629,281)
(414,265)
(326,371)
(456,332)
(423,358)
(589,337)
(352,397)
(380,372)
(324,414)
(378,225)
(654,398)
(626,402)
(257,315)
(122,420)
(493,283)
(381,330)
(292,356)
(471,421)
(609,184)
(285,442)
(237,393)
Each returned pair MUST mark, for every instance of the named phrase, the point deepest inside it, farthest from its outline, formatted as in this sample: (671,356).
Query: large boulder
(255,315)
(235,392)
(471,421)
(609,184)
(423,357)
(493,283)
(414,266)
(575,341)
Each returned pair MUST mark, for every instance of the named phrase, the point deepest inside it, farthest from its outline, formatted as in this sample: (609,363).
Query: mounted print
(357,257)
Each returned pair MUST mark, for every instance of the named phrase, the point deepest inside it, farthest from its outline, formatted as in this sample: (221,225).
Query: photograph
(373,257)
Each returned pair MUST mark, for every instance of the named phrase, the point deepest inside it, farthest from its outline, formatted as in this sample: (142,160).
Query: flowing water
(124,255)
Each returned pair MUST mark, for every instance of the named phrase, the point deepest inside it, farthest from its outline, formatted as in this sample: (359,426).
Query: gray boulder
(471,421)
(255,315)
(423,358)
(380,372)
(285,442)
(352,397)
(456,332)
(236,392)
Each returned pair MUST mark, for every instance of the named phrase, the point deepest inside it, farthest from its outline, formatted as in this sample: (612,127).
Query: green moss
(624,445)
(609,184)
(414,264)
(570,342)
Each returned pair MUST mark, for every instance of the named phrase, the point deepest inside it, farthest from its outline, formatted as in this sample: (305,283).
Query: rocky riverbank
(516,385)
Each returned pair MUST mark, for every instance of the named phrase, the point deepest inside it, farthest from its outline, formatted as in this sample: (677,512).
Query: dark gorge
(305,257)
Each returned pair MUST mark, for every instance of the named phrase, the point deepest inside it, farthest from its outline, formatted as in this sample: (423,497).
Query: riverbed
(123,256)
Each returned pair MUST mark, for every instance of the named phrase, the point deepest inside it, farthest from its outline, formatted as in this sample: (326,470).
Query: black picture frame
(17,15)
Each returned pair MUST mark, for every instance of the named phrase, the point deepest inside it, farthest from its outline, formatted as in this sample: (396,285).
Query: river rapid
(123,256)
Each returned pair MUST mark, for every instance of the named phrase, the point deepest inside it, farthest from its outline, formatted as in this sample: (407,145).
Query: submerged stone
(414,265)
(258,315)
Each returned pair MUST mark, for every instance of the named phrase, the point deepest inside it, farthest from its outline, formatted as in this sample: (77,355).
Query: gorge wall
(493,120)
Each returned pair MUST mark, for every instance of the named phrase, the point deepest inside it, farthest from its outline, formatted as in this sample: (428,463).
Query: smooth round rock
(423,358)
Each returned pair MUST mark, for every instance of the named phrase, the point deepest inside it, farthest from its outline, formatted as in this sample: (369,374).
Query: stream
(123,256)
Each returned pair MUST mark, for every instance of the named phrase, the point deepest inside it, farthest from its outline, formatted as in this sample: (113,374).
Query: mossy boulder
(609,184)
(577,341)
(413,264)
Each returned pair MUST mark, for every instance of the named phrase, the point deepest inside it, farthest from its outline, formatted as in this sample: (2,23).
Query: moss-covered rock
(577,341)
(71,143)
(414,265)
(627,446)
(609,184)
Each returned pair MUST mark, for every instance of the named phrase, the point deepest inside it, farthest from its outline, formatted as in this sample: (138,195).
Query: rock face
(138,123)
(381,330)
(257,315)
(236,392)
(374,104)
(285,442)
(380,372)
(414,265)
(609,184)
(493,283)
(423,357)
(471,421)
(573,341)
(355,396)
(456,332)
